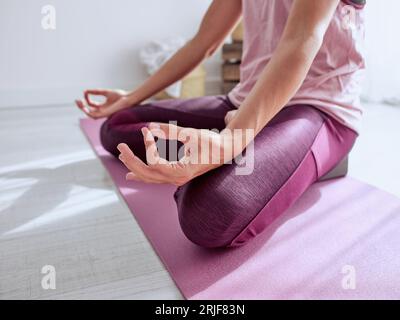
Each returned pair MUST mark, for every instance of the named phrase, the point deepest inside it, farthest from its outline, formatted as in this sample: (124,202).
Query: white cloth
(156,53)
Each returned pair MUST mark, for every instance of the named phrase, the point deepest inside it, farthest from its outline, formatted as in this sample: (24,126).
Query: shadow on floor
(52,188)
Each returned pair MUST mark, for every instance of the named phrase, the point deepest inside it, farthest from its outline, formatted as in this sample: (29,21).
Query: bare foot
(229,116)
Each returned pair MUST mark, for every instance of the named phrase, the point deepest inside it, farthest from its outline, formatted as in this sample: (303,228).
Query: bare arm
(292,59)
(279,81)
(220,18)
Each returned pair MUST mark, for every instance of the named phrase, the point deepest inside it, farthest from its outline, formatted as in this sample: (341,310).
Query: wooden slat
(231,71)
(227,86)
(232,51)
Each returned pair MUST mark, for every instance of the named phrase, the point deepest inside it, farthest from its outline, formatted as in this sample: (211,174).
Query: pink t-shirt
(333,83)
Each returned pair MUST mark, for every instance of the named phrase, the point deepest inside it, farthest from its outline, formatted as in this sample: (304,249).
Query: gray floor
(58,207)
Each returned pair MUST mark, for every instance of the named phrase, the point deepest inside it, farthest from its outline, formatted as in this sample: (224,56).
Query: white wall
(383,51)
(95,44)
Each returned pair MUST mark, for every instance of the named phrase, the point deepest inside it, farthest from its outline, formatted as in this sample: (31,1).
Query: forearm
(216,24)
(284,74)
(177,67)
(277,84)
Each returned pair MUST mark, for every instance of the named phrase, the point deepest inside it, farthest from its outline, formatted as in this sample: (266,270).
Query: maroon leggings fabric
(215,208)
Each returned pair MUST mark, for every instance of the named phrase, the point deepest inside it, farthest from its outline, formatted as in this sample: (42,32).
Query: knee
(108,137)
(116,130)
(204,221)
(206,235)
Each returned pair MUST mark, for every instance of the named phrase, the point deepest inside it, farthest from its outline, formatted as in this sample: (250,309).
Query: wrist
(231,142)
(227,142)
(235,141)
(130,96)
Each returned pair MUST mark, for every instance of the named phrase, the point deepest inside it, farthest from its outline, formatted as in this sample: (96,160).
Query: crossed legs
(221,208)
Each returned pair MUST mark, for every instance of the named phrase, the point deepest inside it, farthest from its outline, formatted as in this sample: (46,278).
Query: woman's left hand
(204,150)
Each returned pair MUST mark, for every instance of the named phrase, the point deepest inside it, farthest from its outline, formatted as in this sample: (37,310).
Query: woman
(299,94)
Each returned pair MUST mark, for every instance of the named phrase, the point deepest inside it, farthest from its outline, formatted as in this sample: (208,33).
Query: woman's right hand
(115,100)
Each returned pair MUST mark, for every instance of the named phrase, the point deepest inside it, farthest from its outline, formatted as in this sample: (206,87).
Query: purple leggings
(220,208)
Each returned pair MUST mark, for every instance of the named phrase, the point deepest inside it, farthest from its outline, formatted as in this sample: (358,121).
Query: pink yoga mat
(341,240)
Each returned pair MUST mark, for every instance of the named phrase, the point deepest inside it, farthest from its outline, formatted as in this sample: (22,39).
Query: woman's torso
(333,83)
